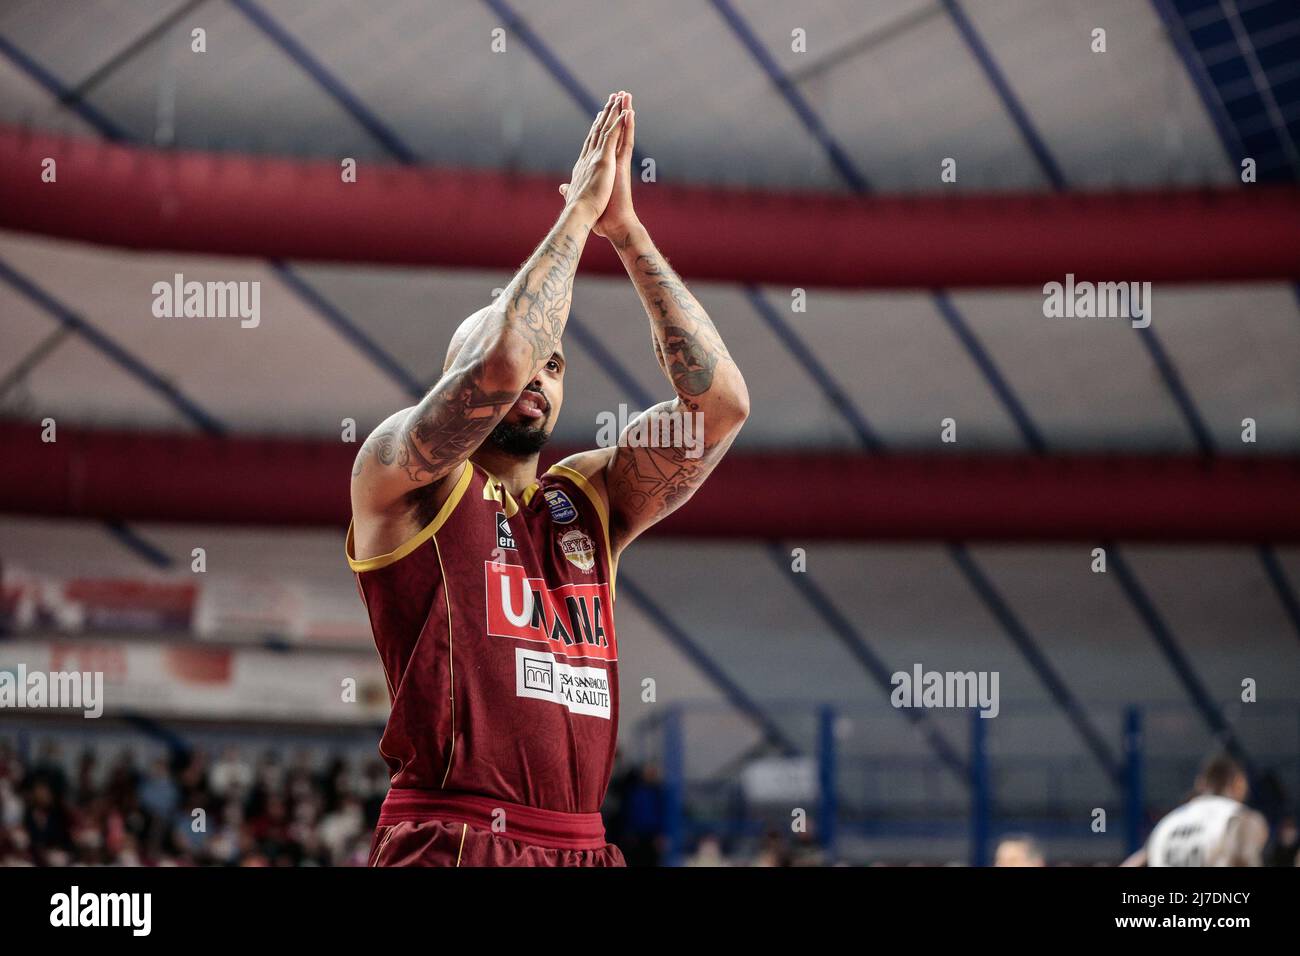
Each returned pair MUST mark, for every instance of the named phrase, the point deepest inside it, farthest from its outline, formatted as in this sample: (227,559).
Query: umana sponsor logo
(572,620)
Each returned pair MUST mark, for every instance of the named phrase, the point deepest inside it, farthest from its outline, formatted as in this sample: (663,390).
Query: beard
(517,439)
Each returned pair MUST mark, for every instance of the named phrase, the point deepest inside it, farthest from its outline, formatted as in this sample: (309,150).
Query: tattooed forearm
(458,414)
(449,424)
(445,428)
(690,361)
(687,344)
(448,428)
(659,353)
(647,481)
(539,299)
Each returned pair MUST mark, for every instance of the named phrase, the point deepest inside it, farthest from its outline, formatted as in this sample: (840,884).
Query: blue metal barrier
(1134,789)
(674,787)
(981,797)
(870,802)
(826,779)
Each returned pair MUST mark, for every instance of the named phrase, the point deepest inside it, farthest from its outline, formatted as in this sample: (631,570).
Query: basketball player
(489,588)
(1214,828)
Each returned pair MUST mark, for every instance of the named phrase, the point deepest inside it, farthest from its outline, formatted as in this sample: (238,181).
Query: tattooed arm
(504,349)
(645,479)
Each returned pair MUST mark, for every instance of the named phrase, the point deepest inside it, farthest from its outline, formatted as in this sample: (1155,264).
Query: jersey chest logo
(572,620)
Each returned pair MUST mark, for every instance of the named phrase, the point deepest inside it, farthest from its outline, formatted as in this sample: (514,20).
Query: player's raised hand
(619,216)
(592,180)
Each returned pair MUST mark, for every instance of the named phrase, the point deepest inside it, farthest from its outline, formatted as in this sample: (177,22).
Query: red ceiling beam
(292,209)
(152,476)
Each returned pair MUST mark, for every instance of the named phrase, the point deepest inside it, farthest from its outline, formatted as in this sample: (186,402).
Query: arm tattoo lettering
(539,306)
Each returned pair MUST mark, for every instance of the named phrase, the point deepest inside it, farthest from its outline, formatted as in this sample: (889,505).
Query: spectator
(231,775)
(1019,850)
(46,821)
(708,852)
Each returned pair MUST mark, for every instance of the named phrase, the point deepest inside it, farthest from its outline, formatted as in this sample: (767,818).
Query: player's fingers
(591,135)
(627,142)
(593,132)
(615,110)
(609,139)
(597,125)
(607,114)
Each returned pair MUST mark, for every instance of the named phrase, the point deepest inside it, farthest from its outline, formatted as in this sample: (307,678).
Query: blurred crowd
(232,809)
(249,807)
(188,809)
(244,807)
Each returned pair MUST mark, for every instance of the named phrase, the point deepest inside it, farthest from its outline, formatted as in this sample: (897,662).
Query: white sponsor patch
(584,690)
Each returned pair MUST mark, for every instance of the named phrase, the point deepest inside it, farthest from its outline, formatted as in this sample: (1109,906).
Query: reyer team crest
(578,549)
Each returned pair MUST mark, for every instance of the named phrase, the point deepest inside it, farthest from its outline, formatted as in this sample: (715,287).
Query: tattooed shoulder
(646,484)
(382,445)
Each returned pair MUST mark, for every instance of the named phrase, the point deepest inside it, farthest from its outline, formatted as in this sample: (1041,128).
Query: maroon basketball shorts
(438,828)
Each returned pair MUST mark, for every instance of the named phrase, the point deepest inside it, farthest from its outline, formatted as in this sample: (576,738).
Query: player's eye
(553,365)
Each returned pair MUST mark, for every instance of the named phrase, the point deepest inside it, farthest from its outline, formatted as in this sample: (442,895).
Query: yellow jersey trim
(529,492)
(451,668)
(494,490)
(464,828)
(581,480)
(423,535)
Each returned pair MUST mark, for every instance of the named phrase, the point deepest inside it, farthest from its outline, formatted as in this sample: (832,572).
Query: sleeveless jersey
(495,626)
(1192,835)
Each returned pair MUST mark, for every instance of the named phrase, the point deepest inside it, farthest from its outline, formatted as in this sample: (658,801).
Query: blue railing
(902,800)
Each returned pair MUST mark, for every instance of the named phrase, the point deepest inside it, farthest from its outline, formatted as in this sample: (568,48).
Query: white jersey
(1192,835)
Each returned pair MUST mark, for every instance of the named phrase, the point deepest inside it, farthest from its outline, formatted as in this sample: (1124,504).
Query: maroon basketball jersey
(495,626)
